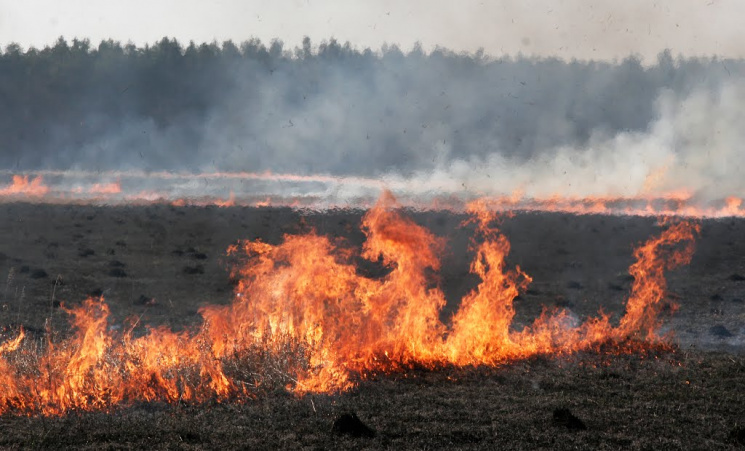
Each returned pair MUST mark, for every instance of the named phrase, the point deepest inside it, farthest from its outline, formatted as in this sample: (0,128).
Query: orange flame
(229,202)
(326,321)
(648,289)
(23,186)
(106,188)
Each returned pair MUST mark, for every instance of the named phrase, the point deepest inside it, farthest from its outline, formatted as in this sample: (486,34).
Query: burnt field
(160,264)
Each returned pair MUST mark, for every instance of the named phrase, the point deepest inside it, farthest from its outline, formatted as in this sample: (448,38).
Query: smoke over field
(428,123)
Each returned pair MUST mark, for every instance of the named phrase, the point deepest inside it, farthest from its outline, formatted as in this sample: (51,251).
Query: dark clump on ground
(350,424)
(565,418)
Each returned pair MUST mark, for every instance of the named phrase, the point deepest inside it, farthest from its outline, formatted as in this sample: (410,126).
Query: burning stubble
(305,319)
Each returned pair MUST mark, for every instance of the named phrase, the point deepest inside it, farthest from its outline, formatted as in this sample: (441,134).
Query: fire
(106,188)
(649,287)
(183,202)
(480,332)
(22,185)
(265,189)
(306,315)
(733,206)
(263,203)
(229,202)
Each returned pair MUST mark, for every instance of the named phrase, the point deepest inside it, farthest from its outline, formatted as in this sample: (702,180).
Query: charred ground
(160,264)
(678,401)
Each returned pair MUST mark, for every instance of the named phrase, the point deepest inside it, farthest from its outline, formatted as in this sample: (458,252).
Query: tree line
(178,106)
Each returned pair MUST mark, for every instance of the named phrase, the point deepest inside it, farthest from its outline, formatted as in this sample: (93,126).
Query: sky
(582,29)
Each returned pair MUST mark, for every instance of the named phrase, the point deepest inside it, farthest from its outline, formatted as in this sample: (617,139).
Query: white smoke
(694,144)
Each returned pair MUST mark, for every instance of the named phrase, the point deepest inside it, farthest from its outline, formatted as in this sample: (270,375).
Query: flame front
(306,313)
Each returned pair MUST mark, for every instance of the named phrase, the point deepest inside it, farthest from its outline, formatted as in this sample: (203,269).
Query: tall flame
(304,310)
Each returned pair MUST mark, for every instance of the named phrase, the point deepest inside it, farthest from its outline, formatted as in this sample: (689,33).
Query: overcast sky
(584,29)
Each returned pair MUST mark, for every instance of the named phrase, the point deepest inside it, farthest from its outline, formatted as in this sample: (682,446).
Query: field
(159,264)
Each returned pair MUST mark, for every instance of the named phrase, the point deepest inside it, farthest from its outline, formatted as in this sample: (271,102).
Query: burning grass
(304,320)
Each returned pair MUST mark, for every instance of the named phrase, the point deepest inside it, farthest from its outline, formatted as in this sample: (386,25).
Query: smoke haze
(421,122)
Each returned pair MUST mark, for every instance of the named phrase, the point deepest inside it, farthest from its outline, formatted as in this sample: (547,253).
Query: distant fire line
(166,175)
(113,188)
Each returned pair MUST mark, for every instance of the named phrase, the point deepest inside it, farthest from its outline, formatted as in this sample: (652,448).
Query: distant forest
(328,108)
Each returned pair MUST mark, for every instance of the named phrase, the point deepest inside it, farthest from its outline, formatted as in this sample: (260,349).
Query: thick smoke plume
(419,122)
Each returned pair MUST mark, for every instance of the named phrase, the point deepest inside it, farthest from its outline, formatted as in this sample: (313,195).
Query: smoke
(693,145)
(423,123)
